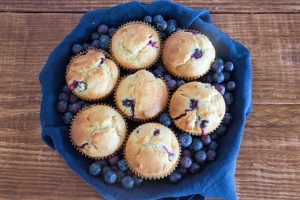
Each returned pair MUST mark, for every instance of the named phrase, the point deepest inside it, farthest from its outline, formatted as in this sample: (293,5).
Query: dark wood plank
(215,6)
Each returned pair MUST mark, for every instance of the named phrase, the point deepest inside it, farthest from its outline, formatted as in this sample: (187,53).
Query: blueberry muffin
(98,131)
(197,108)
(135,46)
(188,55)
(141,95)
(152,151)
(92,76)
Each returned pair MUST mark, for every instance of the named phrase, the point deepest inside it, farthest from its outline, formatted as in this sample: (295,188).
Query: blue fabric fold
(216,180)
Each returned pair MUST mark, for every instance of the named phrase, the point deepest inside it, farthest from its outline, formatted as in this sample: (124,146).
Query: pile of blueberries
(196,150)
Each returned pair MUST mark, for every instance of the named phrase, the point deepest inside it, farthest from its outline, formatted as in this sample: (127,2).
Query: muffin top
(98,131)
(135,46)
(141,95)
(92,76)
(152,151)
(188,55)
(197,108)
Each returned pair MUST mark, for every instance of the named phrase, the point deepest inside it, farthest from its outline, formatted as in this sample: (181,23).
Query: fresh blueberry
(158,18)
(185,140)
(221,130)
(74,107)
(213,136)
(104,42)
(187,153)
(63,96)
(85,46)
(209,79)
(105,170)
(163,35)
(137,181)
(114,160)
(111,31)
(122,165)
(165,119)
(185,162)
(213,145)
(227,119)
(66,89)
(205,139)
(228,98)
(115,168)
(170,29)
(211,155)
(62,106)
(219,60)
(96,44)
(95,169)
(129,173)
(172,84)
(159,65)
(167,77)
(182,170)
(218,66)
(102,29)
(226,76)
(110,177)
(195,168)
(83,104)
(158,73)
(102,162)
(95,36)
(68,117)
(148,19)
(120,175)
(228,67)
(127,182)
(218,77)
(200,157)
(161,25)
(175,177)
(220,88)
(180,83)
(77,48)
(231,86)
(73,98)
(173,22)
(196,145)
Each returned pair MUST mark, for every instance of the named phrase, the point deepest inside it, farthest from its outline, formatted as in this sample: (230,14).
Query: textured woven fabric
(217,178)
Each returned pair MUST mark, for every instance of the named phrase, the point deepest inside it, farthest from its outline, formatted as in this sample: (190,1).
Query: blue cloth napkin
(216,179)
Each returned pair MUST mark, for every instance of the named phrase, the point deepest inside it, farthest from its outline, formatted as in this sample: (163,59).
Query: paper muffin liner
(137,119)
(177,75)
(128,68)
(79,149)
(107,55)
(158,177)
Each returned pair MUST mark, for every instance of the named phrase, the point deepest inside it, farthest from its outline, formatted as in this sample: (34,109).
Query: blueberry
(62,106)
(213,145)
(231,86)
(173,22)
(96,44)
(74,107)
(73,98)
(209,79)
(148,19)
(228,67)
(158,18)
(102,29)
(85,46)
(163,35)
(158,73)
(185,140)
(175,177)
(111,31)
(165,119)
(68,117)
(196,145)
(115,168)
(129,173)
(137,181)
(218,66)
(127,182)
(200,157)
(110,177)
(114,160)
(197,54)
(167,77)
(218,77)
(180,83)
(219,60)
(63,96)
(66,89)
(161,25)
(170,29)
(220,88)
(95,169)
(195,168)
(228,98)
(213,136)
(104,42)
(77,48)
(205,139)
(172,84)
(120,175)
(211,155)
(221,130)
(105,170)
(182,170)
(227,119)
(122,165)
(226,76)
(95,36)
(83,104)
(102,162)
(187,153)
(185,162)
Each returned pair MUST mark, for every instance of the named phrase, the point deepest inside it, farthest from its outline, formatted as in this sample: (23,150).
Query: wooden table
(269,162)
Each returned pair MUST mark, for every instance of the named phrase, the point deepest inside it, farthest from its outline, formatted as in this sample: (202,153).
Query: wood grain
(215,6)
